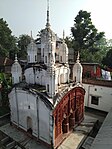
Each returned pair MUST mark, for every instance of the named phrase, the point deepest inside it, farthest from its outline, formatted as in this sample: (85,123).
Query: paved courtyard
(21,138)
(73,141)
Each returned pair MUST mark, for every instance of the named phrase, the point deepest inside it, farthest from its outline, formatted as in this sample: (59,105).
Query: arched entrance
(79,112)
(29,125)
(77,115)
(65,125)
(71,120)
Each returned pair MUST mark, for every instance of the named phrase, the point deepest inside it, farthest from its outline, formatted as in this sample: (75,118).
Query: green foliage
(23,42)
(86,39)
(107,60)
(69,42)
(84,32)
(3,80)
(4,91)
(7,41)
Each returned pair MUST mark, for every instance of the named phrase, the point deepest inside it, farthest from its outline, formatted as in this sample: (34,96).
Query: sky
(24,16)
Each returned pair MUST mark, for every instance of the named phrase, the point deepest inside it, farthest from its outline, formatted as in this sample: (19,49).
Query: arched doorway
(29,125)
(77,115)
(65,125)
(71,119)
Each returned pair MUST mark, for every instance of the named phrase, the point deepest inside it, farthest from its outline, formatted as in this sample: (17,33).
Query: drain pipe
(37,106)
(17,107)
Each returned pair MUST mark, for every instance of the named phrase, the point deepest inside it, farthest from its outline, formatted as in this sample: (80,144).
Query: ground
(4,120)
(76,139)
(80,133)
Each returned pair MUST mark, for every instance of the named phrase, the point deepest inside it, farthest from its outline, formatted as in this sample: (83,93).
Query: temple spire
(63,36)
(31,37)
(78,61)
(47,24)
(31,34)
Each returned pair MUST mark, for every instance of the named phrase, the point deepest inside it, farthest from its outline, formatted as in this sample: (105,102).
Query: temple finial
(47,24)
(31,37)
(31,34)
(16,60)
(78,58)
(47,5)
(63,34)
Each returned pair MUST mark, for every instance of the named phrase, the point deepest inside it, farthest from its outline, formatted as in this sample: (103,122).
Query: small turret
(63,51)
(16,72)
(48,43)
(32,51)
(77,71)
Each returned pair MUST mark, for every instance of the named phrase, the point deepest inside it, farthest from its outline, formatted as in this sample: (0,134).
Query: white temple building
(46,104)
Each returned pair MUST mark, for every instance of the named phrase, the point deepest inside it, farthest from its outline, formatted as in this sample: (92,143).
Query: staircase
(8,143)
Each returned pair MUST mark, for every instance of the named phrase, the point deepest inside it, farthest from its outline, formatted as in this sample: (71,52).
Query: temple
(44,102)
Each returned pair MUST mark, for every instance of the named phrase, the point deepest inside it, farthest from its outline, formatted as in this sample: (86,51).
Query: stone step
(10,145)
(17,147)
(4,140)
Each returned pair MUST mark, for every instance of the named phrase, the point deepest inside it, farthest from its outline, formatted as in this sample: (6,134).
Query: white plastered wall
(20,101)
(104,94)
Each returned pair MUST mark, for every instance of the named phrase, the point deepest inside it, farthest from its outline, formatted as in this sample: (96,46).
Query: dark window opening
(29,107)
(45,59)
(94,100)
(47,87)
(61,58)
(43,52)
(35,58)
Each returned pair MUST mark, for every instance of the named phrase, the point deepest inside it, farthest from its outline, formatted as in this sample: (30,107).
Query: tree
(107,60)
(99,54)
(4,89)
(7,41)
(69,42)
(23,42)
(85,35)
